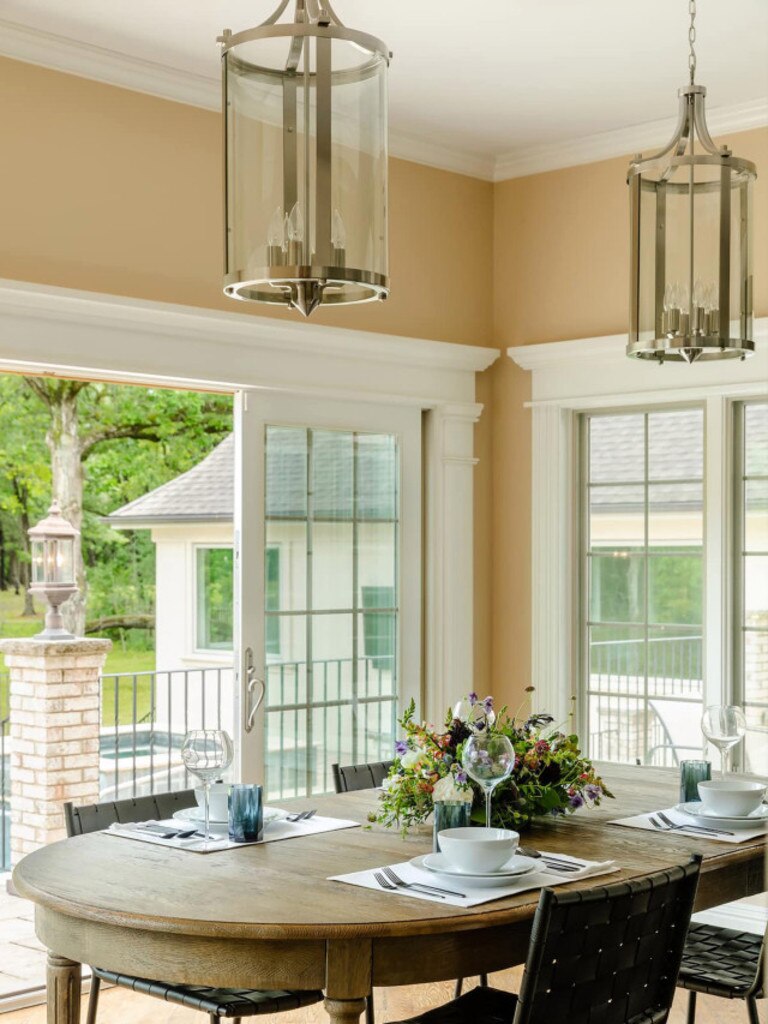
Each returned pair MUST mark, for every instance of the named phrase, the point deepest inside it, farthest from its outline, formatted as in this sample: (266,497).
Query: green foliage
(131,439)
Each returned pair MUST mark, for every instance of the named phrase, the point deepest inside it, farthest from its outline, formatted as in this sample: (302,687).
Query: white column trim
(449,596)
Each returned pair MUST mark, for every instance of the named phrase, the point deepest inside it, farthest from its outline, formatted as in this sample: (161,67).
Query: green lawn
(13,624)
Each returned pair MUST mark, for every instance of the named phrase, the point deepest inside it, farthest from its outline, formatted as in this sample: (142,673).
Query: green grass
(14,624)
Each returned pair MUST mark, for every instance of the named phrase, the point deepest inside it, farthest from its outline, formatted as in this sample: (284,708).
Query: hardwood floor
(121,1007)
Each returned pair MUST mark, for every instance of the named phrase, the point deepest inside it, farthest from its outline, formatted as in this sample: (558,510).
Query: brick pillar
(54,739)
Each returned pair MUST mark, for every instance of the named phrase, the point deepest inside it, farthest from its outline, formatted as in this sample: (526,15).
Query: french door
(328,584)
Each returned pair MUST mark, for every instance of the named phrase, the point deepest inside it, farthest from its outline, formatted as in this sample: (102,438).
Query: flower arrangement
(550,777)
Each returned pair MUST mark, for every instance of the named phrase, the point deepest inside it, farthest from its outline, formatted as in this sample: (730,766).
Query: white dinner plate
(696,811)
(439,864)
(197,815)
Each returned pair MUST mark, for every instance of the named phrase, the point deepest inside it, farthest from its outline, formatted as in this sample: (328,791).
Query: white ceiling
(494,87)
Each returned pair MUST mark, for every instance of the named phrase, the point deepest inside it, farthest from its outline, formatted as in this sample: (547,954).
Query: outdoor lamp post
(53,568)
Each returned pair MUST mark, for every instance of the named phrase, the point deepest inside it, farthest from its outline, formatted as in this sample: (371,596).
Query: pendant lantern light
(305,160)
(691,242)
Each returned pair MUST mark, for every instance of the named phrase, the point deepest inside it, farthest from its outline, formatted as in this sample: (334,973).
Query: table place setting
(416,879)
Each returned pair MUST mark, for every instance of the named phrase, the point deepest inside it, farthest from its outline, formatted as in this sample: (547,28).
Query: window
(642,601)
(751,578)
(215,599)
(379,623)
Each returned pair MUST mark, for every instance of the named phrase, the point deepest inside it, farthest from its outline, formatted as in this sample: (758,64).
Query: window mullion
(718,680)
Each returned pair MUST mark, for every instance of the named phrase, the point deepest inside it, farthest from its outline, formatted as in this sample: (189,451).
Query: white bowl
(477,849)
(731,796)
(219,800)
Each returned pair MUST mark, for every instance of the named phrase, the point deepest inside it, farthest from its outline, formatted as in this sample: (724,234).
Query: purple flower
(592,791)
(461,777)
(472,698)
(576,801)
(488,705)
(401,747)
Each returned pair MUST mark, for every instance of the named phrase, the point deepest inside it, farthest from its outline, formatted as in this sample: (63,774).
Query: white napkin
(738,835)
(274,831)
(472,896)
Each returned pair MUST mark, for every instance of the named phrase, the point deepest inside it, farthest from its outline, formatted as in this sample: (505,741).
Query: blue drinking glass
(246,814)
(450,814)
(691,774)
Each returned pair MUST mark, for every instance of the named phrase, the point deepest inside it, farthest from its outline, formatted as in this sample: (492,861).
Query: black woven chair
(608,955)
(216,1002)
(359,776)
(723,962)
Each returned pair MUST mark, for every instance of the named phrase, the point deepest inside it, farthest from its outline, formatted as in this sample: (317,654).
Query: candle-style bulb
(338,231)
(669,294)
(276,230)
(296,224)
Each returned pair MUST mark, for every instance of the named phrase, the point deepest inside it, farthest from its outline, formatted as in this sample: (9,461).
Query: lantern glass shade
(305,165)
(691,276)
(53,561)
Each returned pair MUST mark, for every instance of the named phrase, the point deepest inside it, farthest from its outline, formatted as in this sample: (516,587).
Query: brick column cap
(55,648)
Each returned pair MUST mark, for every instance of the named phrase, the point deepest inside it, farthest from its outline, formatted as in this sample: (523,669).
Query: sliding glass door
(328,553)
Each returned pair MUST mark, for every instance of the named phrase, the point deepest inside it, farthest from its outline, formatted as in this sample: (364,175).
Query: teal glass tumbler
(450,814)
(691,774)
(246,814)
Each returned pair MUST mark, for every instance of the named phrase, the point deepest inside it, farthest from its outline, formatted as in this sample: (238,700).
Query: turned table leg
(63,982)
(344,1011)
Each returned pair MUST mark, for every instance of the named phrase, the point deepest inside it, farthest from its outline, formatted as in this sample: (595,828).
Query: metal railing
(644,699)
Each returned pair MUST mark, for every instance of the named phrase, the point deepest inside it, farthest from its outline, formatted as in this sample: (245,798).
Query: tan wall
(110,190)
(561,248)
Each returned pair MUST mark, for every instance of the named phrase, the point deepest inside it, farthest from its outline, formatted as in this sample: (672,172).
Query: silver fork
(302,815)
(431,889)
(669,826)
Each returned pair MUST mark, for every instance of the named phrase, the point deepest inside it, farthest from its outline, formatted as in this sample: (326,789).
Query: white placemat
(474,895)
(273,833)
(679,818)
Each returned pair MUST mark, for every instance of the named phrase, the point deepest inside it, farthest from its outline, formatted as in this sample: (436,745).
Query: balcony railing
(645,699)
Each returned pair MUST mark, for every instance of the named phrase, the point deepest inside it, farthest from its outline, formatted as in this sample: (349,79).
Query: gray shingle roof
(204,493)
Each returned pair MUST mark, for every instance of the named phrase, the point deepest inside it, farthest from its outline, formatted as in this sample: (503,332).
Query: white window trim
(65,332)
(571,377)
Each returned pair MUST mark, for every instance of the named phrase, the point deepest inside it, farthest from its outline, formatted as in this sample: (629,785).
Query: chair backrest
(94,817)
(359,776)
(608,955)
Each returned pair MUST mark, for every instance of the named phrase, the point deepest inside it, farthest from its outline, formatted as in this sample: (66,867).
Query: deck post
(54,733)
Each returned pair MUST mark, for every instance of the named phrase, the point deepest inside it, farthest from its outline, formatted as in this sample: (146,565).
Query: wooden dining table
(267,917)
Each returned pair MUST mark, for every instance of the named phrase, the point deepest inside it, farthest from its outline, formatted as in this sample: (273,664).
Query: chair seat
(478,1006)
(720,961)
(224,1002)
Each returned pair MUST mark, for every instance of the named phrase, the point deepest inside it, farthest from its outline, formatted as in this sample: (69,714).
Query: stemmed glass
(207,753)
(488,758)
(724,726)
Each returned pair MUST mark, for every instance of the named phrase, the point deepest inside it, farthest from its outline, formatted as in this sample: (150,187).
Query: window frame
(581,553)
(591,374)
(197,646)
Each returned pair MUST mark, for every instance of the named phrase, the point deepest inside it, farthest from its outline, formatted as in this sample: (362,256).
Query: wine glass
(724,726)
(207,753)
(488,758)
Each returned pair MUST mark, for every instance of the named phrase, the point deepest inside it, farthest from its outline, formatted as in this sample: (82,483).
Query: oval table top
(280,889)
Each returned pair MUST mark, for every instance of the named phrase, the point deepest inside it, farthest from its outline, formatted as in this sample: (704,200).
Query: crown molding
(35,46)
(623,141)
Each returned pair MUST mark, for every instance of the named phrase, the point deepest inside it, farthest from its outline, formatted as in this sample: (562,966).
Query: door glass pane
(332,510)
(644,566)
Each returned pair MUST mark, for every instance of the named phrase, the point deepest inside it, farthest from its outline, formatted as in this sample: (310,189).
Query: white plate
(440,864)
(754,820)
(196,814)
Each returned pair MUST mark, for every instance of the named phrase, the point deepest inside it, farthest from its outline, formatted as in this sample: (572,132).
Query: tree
(106,444)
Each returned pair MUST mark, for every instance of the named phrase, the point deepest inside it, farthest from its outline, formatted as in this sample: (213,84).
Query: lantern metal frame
(303,285)
(54,529)
(696,334)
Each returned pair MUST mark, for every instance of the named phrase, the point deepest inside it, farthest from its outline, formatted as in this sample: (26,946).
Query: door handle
(252,682)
